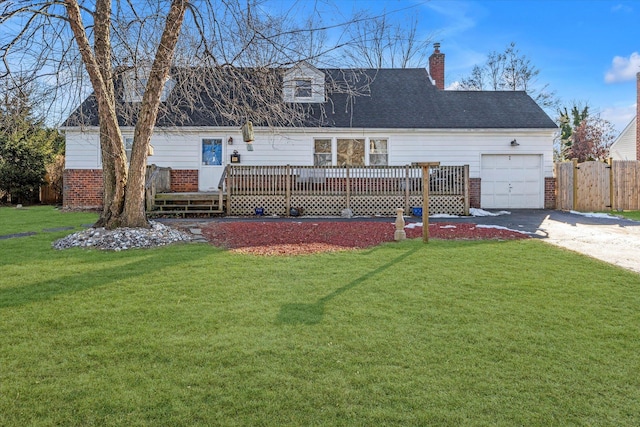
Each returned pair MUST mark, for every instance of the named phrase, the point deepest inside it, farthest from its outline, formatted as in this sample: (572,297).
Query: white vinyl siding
(624,147)
(82,150)
(180,149)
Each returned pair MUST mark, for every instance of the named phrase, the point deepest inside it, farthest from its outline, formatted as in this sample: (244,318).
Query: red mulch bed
(294,238)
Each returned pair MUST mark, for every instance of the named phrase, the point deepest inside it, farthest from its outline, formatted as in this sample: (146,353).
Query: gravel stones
(122,239)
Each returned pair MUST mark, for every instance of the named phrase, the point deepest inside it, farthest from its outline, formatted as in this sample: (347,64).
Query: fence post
(611,186)
(575,184)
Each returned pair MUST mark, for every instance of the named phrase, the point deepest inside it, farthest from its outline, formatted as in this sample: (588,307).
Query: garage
(511,181)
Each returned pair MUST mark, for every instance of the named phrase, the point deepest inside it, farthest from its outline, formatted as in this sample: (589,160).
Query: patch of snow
(482,212)
(413,225)
(443,216)
(448,226)
(594,215)
(499,227)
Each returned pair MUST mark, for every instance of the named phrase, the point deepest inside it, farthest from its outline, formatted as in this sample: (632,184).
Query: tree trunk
(98,67)
(134,214)
(113,158)
(123,189)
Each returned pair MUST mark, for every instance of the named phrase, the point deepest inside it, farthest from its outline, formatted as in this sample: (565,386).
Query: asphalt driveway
(613,240)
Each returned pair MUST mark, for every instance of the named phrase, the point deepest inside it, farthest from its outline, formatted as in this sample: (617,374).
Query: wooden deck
(322,191)
(209,203)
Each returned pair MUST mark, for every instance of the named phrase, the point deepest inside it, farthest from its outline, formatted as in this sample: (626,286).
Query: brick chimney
(436,66)
(638,116)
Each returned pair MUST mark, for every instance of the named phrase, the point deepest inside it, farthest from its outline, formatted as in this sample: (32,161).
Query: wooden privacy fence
(598,186)
(372,190)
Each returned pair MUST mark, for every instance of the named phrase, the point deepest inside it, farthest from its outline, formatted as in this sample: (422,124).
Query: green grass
(39,218)
(634,215)
(449,333)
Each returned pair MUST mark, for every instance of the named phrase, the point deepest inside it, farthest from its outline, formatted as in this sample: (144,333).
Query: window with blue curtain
(212,152)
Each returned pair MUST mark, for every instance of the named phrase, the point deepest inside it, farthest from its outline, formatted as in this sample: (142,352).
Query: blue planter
(416,211)
(259,211)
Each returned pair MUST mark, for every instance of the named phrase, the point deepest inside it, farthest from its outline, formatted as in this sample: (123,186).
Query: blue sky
(587,51)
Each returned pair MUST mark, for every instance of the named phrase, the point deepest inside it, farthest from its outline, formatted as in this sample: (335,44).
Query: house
(400,116)
(627,144)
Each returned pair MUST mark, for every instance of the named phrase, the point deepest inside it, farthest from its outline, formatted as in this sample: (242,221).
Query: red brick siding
(474,192)
(184,181)
(549,193)
(82,188)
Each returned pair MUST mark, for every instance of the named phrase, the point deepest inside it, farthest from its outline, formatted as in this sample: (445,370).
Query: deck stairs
(184,204)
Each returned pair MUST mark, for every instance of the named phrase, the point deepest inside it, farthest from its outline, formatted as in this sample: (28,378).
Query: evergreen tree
(26,145)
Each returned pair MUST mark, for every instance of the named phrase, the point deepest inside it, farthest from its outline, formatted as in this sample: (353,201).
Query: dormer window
(303,83)
(303,88)
(135,83)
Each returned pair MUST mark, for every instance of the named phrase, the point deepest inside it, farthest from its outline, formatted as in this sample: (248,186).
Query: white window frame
(135,83)
(367,148)
(371,152)
(304,73)
(303,84)
(127,141)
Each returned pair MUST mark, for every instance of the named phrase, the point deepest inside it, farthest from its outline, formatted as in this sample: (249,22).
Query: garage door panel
(511,181)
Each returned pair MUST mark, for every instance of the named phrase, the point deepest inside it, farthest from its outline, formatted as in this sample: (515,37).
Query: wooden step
(187,203)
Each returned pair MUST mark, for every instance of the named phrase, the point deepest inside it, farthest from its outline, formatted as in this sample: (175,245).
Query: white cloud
(453,86)
(622,8)
(623,69)
(619,116)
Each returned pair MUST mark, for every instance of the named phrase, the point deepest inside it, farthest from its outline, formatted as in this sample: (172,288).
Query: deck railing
(372,190)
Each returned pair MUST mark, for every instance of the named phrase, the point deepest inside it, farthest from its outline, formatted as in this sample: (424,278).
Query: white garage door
(511,181)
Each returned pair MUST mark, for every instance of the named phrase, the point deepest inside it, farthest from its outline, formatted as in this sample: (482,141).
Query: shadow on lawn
(312,314)
(74,282)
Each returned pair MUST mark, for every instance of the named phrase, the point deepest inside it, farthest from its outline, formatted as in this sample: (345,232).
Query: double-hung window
(378,154)
(322,152)
(303,88)
(128,146)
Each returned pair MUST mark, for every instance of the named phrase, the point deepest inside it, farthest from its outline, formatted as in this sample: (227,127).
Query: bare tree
(509,70)
(222,59)
(379,43)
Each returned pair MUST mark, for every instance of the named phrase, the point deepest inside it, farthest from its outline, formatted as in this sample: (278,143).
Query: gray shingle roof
(395,99)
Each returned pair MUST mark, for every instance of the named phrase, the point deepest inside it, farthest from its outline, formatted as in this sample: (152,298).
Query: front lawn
(449,333)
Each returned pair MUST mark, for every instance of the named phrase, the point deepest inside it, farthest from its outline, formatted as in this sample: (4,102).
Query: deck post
(466,190)
(407,192)
(287,202)
(348,187)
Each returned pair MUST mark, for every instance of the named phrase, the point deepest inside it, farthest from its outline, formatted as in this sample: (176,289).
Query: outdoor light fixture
(230,141)
(514,143)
